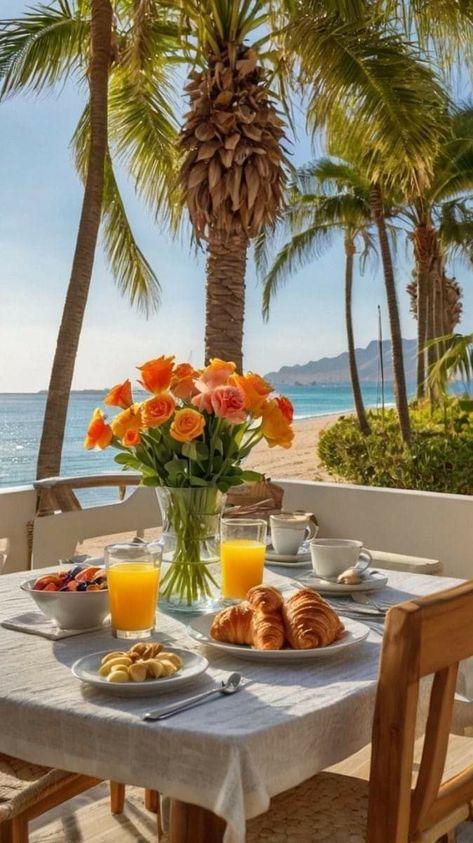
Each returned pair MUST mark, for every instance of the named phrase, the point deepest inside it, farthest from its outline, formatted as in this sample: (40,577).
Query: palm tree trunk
(49,457)
(422,255)
(225,308)
(377,209)
(355,381)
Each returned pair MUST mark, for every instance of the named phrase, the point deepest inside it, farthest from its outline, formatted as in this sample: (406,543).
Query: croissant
(234,625)
(268,624)
(309,621)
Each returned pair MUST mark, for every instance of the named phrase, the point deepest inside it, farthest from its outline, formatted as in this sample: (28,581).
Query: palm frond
(41,48)
(131,271)
(143,134)
(457,359)
(300,250)
(387,96)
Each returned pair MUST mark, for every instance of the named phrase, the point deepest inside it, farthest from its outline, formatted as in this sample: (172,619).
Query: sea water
(21,418)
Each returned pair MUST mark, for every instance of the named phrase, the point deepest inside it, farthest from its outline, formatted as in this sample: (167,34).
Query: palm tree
(46,46)
(326,198)
(82,265)
(440,224)
(390,142)
(233,169)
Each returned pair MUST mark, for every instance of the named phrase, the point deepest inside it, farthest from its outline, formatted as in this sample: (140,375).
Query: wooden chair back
(423,637)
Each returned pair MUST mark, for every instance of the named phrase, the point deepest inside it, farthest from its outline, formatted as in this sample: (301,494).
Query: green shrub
(440,458)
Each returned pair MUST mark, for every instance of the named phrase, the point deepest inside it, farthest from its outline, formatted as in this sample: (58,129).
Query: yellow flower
(276,427)
(187,425)
(99,433)
(129,419)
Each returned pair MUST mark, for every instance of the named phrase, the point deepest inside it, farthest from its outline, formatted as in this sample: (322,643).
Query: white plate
(371,582)
(86,669)
(301,557)
(355,633)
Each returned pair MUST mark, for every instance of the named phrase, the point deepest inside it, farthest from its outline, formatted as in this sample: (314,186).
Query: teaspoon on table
(228,687)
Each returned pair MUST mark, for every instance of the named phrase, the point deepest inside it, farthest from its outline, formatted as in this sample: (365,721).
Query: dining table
(289,720)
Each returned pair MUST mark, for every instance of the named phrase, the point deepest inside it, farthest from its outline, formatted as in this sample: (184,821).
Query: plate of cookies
(268,626)
(145,668)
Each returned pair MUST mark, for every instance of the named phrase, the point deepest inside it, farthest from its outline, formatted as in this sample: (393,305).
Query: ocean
(21,417)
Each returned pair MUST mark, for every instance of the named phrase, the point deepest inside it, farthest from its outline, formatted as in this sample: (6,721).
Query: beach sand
(300,462)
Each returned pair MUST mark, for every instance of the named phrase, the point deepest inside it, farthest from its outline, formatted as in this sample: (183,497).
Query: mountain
(335,369)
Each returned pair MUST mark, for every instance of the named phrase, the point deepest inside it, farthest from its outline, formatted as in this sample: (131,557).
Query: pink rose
(203,399)
(228,402)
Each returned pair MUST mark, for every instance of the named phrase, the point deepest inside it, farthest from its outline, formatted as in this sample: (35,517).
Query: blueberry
(82,586)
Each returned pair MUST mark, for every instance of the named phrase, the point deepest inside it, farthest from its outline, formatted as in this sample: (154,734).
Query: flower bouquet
(189,439)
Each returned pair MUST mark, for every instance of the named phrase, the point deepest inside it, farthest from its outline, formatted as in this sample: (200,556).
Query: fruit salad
(76,579)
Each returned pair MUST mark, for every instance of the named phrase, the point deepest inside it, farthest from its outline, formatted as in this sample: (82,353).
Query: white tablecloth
(231,755)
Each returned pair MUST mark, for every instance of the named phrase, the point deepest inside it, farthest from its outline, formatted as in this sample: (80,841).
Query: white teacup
(331,557)
(289,530)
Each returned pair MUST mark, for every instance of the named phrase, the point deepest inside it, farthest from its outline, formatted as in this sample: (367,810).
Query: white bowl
(70,609)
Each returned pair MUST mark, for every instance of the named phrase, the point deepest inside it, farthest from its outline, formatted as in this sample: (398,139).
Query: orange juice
(242,566)
(133,594)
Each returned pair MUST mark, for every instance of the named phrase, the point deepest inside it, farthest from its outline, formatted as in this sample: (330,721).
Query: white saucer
(302,557)
(372,581)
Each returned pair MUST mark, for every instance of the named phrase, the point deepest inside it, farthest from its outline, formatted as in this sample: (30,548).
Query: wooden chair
(29,790)
(424,637)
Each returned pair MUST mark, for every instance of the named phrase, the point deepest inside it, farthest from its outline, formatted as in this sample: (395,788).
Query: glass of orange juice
(242,552)
(133,584)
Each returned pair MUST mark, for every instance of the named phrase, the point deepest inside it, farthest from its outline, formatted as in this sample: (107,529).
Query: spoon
(226,688)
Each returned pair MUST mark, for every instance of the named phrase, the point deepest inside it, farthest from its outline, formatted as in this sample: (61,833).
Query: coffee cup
(289,530)
(331,557)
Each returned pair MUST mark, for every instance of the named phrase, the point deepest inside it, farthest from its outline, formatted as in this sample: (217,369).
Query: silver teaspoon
(228,687)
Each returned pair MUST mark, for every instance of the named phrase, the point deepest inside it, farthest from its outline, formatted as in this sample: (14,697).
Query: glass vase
(190,542)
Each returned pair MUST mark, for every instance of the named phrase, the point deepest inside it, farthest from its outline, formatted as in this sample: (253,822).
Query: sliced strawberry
(51,587)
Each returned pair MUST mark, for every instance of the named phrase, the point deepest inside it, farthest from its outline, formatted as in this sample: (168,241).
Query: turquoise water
(21,418)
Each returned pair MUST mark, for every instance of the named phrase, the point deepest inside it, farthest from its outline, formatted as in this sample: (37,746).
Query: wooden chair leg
(19,830)
(193,824)
(117,797)
(152,801)
(6,831)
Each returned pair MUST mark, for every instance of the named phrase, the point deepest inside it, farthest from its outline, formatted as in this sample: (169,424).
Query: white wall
(415,523)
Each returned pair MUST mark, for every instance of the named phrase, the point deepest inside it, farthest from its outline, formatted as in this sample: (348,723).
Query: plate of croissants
(268,626)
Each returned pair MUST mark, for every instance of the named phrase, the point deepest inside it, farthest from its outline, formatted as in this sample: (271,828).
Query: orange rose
(129,419)
(217,372)
(183,381)
(286,407)
(228,402)
(187,425)
(256,391)
(120,396)
(99,433)
(156,374)
(275,427)
(157,410)
(131,438)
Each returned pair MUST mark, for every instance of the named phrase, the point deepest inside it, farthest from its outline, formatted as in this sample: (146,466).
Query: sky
(41,195)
